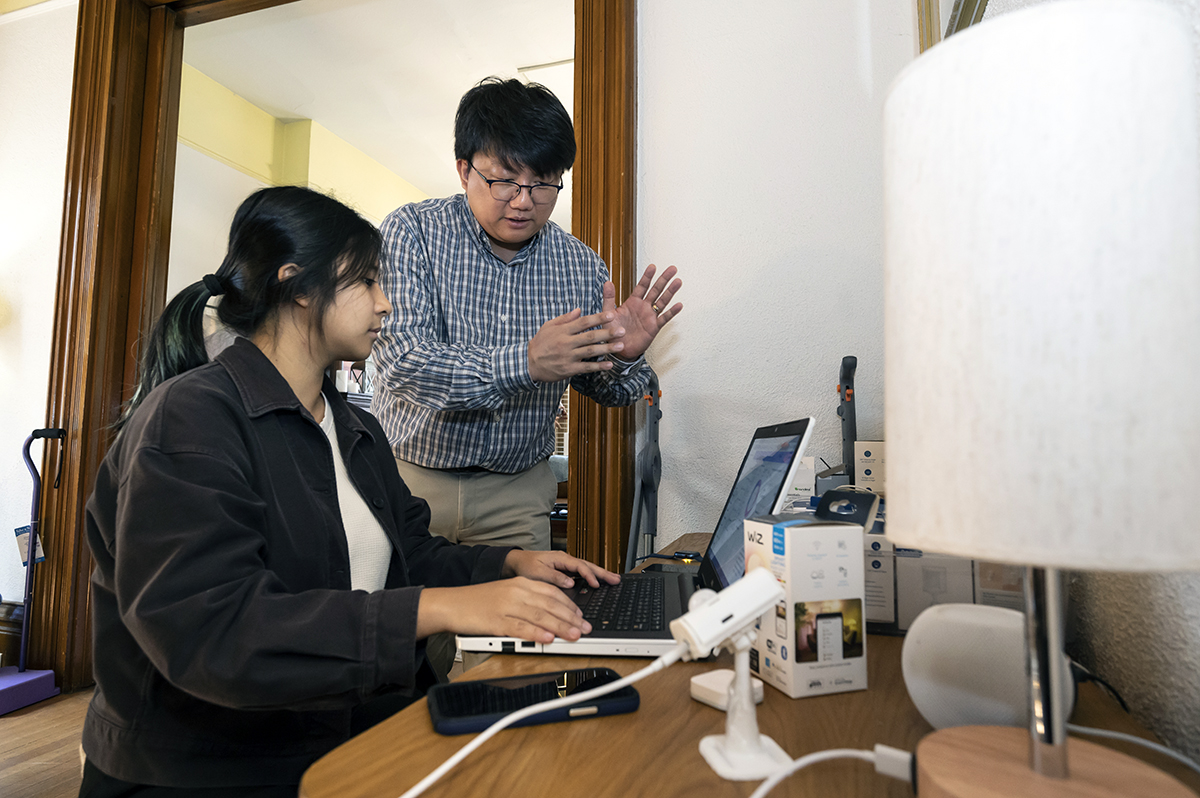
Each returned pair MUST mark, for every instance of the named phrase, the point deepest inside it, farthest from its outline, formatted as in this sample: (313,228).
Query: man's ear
(464,171)
(286,272)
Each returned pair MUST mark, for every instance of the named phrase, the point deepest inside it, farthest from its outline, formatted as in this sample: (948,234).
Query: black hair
(518,124)
(331,245)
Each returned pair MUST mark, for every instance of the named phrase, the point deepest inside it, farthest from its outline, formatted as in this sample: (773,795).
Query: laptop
(633,619)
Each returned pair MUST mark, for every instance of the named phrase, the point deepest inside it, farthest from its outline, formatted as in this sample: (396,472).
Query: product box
(879,580)
(1000,585)
(924,579)
(870,466)
(800,494)
(815,642)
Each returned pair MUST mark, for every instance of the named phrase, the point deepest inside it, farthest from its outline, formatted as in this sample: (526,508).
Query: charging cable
(668,659)
(888,761)
(1129,738)
(897,764)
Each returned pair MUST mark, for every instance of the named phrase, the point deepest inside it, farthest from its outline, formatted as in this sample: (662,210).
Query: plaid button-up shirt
(452,385)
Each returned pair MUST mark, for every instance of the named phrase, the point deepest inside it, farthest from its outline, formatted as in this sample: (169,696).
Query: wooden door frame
(113,265)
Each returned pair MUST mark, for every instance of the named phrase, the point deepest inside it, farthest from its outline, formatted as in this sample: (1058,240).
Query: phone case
(472,706)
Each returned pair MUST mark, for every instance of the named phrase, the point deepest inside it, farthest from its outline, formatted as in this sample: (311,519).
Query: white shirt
(370,549)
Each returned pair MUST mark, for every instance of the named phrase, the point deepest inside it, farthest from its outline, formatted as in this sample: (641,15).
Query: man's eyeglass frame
(506,186)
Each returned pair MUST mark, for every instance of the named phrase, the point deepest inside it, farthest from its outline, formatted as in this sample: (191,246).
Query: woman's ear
(286,272)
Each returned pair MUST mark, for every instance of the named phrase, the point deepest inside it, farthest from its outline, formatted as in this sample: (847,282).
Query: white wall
(37,52)
(207,192)
(760,177)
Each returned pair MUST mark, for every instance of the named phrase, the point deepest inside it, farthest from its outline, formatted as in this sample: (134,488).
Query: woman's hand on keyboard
(518,607)
(555,567)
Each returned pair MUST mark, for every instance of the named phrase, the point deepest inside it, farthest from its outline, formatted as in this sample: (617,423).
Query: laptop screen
(762,482)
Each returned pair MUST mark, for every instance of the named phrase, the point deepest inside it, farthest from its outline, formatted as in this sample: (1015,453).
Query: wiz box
(815,643)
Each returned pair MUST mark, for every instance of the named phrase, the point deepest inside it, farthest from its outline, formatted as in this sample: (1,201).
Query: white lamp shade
(1042,291)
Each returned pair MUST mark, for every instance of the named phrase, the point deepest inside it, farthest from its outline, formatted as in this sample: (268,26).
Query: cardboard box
(815,643)
(870,466)
(879,578)
(924,579)
(1000,585)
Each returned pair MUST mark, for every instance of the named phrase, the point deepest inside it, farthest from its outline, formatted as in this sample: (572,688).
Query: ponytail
(331,245)
(175,345)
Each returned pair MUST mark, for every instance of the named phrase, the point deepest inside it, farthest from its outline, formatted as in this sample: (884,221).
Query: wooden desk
(655,751)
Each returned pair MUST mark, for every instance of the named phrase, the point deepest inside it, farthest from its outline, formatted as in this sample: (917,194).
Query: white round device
(964,665)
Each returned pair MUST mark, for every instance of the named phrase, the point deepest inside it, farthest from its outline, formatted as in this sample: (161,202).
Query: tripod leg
(631,547)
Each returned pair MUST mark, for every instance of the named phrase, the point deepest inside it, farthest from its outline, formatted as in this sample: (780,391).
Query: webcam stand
(741,753)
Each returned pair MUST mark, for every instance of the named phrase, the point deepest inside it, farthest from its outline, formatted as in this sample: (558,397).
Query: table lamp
(1042,336)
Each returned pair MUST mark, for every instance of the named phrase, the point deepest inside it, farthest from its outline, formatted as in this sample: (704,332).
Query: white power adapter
(712,688)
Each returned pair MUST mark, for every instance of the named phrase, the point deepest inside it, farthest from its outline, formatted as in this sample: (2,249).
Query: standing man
(497,310)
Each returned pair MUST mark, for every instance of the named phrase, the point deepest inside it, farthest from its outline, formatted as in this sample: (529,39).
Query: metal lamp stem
(1044,620)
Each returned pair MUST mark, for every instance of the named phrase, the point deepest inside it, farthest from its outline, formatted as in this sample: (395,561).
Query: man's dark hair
(518,124)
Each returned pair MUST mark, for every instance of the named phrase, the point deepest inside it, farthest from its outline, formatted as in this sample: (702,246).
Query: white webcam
(713,618)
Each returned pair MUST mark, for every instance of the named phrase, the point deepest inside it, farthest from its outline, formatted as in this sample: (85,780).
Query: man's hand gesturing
(568,345)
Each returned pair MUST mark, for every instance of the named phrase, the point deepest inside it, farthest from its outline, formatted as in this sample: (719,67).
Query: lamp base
(993,761)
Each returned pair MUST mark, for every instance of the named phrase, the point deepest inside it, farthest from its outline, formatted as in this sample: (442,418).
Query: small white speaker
(964,665)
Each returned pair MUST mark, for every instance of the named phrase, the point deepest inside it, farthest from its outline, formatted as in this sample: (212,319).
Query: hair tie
(213,284)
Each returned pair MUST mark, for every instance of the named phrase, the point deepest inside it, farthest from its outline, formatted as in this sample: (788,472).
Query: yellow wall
(16,5)
(222,125)
(217,122)
(348,173)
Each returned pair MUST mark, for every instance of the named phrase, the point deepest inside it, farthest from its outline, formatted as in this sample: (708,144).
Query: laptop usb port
(528,644)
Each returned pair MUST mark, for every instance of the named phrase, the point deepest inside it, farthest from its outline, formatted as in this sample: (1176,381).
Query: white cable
(670,658)
(810,759)
(887,760)
(895,763)
(1129,738)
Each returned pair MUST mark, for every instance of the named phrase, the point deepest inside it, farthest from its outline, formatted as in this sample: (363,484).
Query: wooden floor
(39,748)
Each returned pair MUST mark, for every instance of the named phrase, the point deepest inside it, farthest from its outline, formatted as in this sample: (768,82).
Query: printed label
(23,545)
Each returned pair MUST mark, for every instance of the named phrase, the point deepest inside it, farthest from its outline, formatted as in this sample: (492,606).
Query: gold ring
(657,309)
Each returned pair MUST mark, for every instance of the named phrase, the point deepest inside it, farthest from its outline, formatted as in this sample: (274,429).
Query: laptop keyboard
(632,605)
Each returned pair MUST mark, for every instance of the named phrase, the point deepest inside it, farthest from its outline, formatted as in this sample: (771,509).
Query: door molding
(604,213)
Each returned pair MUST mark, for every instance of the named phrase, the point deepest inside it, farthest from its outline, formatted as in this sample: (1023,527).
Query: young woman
(264,581)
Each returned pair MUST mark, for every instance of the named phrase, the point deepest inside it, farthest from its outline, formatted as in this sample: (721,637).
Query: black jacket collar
(264,390)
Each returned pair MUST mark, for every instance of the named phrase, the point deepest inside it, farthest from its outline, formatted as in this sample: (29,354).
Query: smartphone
(829,637)
(466,707)
(781,627)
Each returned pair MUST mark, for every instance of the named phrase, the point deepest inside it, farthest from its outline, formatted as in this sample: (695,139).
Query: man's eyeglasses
(508,190)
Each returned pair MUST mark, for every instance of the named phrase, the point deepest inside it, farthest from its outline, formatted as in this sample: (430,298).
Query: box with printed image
(815,642)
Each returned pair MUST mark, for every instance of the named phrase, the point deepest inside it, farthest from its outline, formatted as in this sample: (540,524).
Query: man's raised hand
(646,311)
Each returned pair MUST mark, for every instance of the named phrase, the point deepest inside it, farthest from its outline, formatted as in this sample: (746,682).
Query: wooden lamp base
(993,761)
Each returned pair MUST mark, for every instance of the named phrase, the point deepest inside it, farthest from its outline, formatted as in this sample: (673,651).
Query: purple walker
(20,687)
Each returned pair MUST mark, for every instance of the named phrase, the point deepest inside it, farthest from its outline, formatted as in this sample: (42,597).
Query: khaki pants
(483,508)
